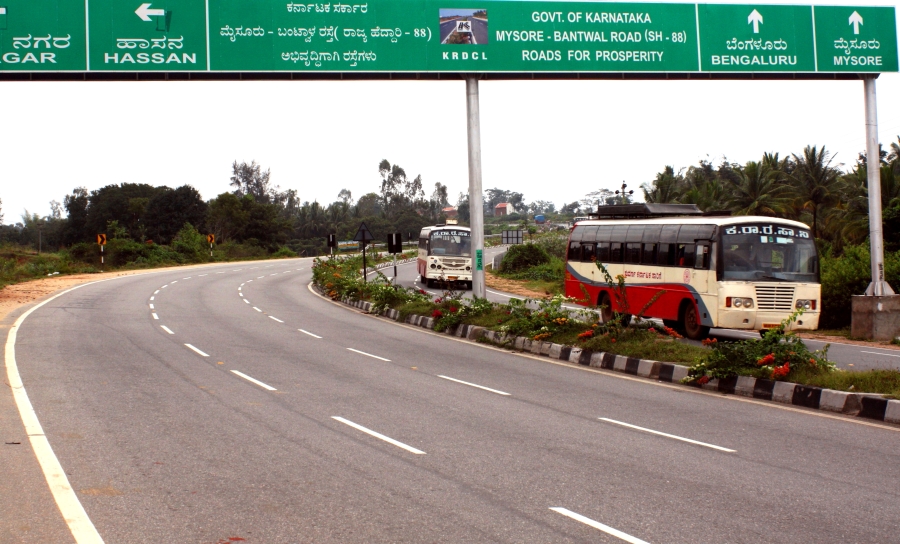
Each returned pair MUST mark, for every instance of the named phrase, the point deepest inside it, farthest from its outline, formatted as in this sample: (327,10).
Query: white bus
(740,272)
(445,255)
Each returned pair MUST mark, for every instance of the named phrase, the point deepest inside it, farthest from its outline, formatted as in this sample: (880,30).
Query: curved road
(230,402)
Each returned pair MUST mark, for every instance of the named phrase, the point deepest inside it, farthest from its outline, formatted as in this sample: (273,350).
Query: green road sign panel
(856,39)
(139,36)
(756,38)
(442,36)
(42,36)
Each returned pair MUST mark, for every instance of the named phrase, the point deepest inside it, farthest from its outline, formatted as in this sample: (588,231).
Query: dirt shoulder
(845,340)
(511,286)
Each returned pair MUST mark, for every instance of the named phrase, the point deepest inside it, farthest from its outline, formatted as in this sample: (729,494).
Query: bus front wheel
(693,329)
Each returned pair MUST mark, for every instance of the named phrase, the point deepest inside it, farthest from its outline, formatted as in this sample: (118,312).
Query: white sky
(550,140)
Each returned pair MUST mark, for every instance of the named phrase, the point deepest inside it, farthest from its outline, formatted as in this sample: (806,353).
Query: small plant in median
(778,355)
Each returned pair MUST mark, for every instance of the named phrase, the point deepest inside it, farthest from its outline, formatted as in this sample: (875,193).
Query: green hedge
(848,275)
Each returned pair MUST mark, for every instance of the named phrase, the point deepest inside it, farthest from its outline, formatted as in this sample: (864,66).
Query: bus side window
(684,256)
(649,254)
(574,251)
(666,255)
(603,252)
(633,252)
(703,254)
(587,253)
(615,252)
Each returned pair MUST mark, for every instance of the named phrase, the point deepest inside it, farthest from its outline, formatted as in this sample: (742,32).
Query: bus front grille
(453,263)
(774,297)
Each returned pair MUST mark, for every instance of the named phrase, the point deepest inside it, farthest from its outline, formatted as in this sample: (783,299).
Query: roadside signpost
(211,238)
(363,236)
(101,241)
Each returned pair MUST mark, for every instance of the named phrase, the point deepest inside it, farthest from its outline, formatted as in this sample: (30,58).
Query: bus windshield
(451,242)
(769,253)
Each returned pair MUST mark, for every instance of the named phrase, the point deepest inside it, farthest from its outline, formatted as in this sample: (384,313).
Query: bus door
(702,278)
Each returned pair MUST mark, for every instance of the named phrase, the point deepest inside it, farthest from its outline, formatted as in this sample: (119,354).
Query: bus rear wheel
(607,313)
(693,329)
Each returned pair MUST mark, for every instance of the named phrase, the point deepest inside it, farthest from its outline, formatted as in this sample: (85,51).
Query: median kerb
(892,413)
(745,386)
(839,401)
(783,392)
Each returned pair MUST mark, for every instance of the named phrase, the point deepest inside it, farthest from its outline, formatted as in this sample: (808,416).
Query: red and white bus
(445,255)
(735,272)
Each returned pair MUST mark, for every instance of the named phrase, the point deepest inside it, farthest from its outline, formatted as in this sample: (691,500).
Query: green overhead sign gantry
(500,36)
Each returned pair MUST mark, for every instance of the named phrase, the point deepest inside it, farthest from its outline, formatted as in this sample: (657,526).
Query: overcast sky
(550,140)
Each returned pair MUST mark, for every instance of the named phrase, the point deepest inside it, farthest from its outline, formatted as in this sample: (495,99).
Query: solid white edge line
(70,507)
(474,385)
(379,436)
(167,329)
(257,382)
(597,525)
(309,333)
(197,350)
(876,353)
(369,355)
(651,431)
(275,319)
(155,316)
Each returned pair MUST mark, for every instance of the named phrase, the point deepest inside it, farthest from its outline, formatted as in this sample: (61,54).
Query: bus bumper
(759,320)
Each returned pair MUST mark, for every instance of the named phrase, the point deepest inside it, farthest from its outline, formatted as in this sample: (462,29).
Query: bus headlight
(738,302)
(806,304)
(439,267)
(468,268)
(433,265)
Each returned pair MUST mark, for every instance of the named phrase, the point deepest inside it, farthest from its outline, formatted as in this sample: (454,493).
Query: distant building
(450,212)
(504,208)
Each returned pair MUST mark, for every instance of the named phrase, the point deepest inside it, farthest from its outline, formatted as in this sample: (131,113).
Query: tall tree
(167,212)
(757,191)
(76,206)
(816,183)
(249,179)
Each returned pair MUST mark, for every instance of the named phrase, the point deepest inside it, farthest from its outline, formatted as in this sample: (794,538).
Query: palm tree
(815,182)
(667,187)
(757,191)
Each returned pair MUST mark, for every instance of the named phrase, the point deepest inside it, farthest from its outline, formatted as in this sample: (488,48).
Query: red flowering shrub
(437,314)
(767,360)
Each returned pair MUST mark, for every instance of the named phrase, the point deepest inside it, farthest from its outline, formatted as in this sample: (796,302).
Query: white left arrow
(755,18)
(144,12)
(856,20)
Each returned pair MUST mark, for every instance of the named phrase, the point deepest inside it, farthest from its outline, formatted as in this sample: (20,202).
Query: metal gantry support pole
(878,287)
(476,205)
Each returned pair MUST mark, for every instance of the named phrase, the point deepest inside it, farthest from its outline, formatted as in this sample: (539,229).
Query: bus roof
(695,220)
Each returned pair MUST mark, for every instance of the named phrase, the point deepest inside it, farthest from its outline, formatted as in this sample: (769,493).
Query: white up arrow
(856,20)
(144,12)
(755,18)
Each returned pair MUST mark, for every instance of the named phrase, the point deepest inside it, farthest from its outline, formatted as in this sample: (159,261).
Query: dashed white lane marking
(151,307)
(474,385)
(155,316)
(187,278)
(164,286)
(257,309)
(70,507)
(275,274)
(220,272)
(201,275)
(309,333)
(276,319)
(667,435)
(152,298)
(877,353)
(368,354)
(379,436)
(174,281)
(197,350)
(247,301)
(257,382)
(249,281)
(260,277)
(286,272)
(597,525)
(167,329)
(156,292)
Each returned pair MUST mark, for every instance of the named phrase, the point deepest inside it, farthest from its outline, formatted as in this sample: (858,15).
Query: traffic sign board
(363,234)
(101,239)
(211,238)
(498,36)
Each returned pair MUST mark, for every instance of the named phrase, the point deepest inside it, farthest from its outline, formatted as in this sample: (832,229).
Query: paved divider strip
(842,402)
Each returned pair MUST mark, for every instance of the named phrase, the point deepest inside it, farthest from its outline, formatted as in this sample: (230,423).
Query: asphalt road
(846,356)
(230,402)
